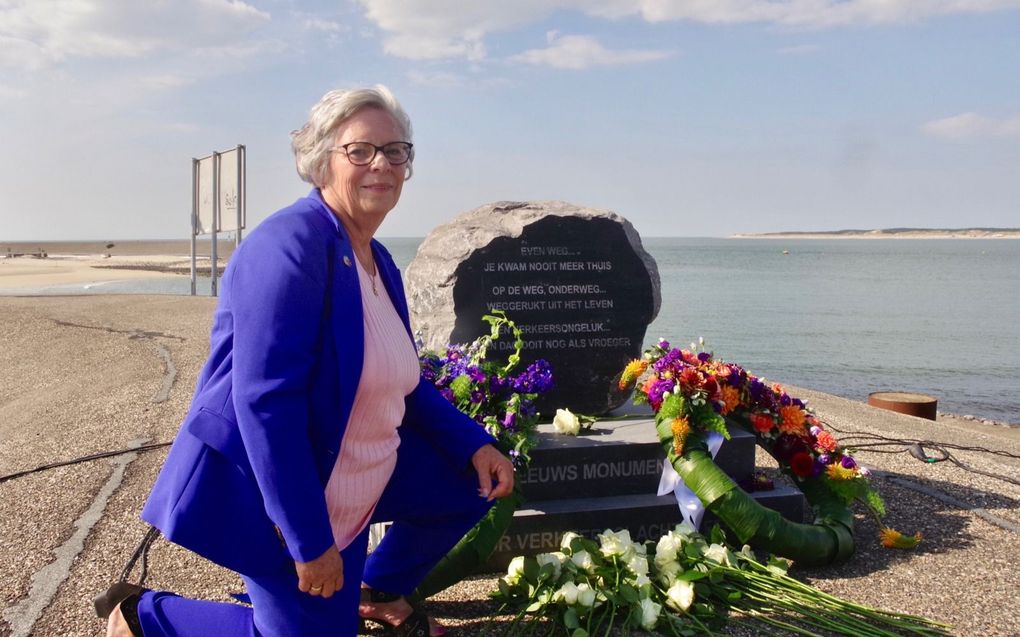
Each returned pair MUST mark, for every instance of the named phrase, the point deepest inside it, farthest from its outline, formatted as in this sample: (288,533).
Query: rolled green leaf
(473,550)
(828,541)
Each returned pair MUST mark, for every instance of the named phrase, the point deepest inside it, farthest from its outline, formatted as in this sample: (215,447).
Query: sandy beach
(39,266)
(82,375)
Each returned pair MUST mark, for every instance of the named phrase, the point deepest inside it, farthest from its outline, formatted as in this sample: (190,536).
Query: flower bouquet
(693,393)
(685,584)
(501,399)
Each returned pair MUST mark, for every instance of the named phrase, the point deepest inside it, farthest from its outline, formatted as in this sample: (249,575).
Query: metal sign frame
(199,193)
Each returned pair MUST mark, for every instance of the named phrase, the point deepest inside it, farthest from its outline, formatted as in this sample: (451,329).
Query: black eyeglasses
(363,153)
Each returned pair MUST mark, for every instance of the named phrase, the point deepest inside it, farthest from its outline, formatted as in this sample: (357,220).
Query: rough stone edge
(448,244)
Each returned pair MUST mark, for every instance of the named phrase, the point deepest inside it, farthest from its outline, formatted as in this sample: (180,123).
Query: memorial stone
(576,281)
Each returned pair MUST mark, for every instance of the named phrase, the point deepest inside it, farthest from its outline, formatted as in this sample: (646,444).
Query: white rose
(617,544)
(567,593)
(566,423)
(550,558)
(638,564)
(641,580)
(585,595)
(685,529)
(668,547)
(649,613)
(583,561)
(668,571)
(567,538)
(719,554)
(680,595)
(515,570)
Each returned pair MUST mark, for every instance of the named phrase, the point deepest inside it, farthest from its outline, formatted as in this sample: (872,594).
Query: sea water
(846,317)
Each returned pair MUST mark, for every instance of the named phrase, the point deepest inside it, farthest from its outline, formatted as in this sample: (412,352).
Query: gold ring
(316,588)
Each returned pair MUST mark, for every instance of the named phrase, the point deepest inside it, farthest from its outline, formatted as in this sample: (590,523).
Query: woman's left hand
(492,466)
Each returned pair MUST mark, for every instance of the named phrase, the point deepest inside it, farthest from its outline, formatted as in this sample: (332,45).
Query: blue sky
(690,118)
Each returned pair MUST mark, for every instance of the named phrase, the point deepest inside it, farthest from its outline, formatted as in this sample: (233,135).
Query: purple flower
(815,430)
(509,420)
(448,394)
(848,462)
(704,357)
(825,458)
(661,387)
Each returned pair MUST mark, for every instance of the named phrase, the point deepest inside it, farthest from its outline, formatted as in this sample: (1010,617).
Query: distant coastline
(891,233)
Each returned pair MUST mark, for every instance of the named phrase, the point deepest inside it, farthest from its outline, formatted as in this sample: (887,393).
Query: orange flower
(681,428)
(631,372)
(792,419)
(730,398)
(647,387)
(825,441)
(893,539)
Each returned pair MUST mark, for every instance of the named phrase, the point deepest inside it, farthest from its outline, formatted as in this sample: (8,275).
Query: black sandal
(414,625)
(127,595)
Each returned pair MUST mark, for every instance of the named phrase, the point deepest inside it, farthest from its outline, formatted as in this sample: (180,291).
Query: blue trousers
(431,504)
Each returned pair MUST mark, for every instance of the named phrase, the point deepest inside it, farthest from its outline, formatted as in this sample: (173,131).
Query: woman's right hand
(322,576)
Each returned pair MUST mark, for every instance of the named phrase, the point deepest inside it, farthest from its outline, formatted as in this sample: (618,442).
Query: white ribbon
(690,506)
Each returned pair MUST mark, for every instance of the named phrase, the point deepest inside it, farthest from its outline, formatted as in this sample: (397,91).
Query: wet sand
(82,374)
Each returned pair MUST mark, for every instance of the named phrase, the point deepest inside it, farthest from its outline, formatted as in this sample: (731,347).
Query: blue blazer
(243,484)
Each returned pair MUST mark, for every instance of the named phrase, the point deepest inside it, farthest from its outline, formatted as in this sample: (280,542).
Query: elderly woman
(311,420)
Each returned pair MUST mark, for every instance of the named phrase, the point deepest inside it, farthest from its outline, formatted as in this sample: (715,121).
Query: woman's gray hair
(313,141)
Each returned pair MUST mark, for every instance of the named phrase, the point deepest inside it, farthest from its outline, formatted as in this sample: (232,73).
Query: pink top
(368,452)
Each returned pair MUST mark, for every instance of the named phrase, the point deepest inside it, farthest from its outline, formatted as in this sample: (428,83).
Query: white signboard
(230,168)
(205,187)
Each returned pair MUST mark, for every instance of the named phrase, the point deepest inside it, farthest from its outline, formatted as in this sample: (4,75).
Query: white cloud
(325,26)
(40,33)
(967,126)
(578,52)
(436,29)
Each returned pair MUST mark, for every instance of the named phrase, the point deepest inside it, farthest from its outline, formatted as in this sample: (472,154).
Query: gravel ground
(81,375)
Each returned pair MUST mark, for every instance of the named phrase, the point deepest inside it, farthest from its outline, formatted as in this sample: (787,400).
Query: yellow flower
(836,471)
(681,428)
(893,539)
(731,399)
(631,372)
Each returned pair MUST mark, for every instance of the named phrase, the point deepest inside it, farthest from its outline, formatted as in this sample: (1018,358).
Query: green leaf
(629,594)
(546,571)
(579,632)
(570,619)
(716,535)
(531,569)
(692,575)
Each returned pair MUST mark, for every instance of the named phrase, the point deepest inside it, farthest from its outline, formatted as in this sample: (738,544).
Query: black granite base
(538,528)
(617,458)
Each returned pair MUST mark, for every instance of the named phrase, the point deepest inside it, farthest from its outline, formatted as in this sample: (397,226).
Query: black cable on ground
(919,449)
(95,456)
